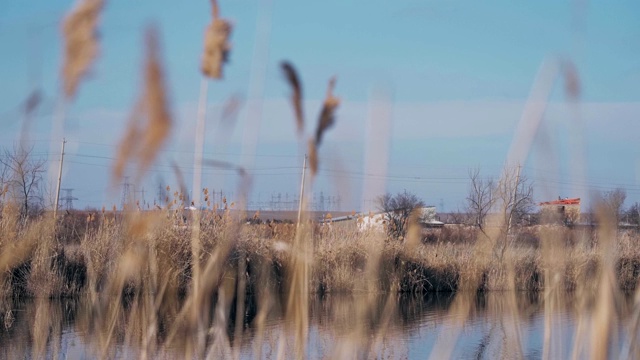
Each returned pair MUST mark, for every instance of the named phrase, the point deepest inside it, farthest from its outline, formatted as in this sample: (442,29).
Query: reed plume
(327,115)
(216,45)
(156,105)
(143,140)
(81,42)
(128,144)
(326,120)
(291,75)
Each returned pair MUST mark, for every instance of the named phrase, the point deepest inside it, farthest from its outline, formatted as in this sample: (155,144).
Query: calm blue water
(473,326)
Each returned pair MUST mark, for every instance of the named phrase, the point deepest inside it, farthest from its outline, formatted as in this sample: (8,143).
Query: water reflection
(395,326)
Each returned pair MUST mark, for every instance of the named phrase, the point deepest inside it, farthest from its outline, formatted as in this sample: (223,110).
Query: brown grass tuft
(81,42)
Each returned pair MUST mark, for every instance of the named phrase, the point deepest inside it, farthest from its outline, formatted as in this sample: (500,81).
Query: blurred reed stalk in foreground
(302,254)
(150,122)
(81,47)
(215,54)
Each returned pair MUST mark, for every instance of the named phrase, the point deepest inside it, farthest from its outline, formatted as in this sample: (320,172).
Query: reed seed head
(81,42)
(143,141)
(216,45)
(327,115)
(291,75)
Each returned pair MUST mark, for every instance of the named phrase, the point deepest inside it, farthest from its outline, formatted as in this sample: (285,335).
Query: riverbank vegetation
(85,251)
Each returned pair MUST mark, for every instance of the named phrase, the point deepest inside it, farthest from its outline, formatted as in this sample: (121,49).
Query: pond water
(441,325)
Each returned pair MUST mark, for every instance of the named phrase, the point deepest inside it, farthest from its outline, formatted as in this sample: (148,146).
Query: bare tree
(613,202)
(632,214)
(480,199)
(504,204)
(514,194)
(22,177)
(398,209)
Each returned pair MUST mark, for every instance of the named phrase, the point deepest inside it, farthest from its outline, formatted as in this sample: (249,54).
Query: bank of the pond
(150,253)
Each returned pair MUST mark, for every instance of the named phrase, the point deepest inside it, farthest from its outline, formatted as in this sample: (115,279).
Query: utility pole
(55,206)
(304,170)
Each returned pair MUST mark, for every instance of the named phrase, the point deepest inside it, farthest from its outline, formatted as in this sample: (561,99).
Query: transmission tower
(126,192)
(68,199)
(142,200)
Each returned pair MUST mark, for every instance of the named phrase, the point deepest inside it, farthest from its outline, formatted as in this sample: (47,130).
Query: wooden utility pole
(55,207)
(304,170)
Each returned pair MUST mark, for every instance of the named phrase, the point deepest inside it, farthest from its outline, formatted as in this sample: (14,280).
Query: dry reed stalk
(291,75)
(297,310)
(327,114)
(533,112)
(325,121)
(200,299)
(554,287)
(462,306)
(513,334)
(265,306)
(604,318)
(500,225)
(216,45)
(313,157)
(81,42)
(241,290)
(630,349)
(197,184)
(129,143)
(220,347)
(159,118)
(362,342)
(143,141)
(30,106)
(216,52)
(47,326)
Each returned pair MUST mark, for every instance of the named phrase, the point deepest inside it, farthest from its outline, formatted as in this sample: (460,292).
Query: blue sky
(456,77)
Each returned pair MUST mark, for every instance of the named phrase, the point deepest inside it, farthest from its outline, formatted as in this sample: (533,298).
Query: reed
(81,42)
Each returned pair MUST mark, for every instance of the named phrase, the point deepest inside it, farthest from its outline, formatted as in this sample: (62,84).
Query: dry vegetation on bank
(143,259)
(87,250)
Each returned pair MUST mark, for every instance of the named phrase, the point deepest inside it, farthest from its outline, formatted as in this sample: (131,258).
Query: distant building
(564,210)
(378,221)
